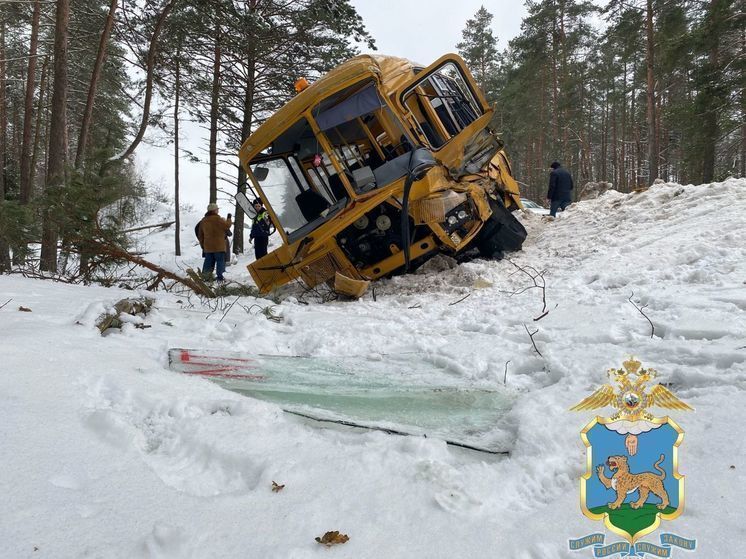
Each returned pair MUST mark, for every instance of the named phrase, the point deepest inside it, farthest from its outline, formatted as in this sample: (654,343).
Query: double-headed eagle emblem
(632,400)
(631,480)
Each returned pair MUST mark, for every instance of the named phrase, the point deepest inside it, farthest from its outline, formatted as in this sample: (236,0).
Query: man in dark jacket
(211,234)
(260,229)
(559,195)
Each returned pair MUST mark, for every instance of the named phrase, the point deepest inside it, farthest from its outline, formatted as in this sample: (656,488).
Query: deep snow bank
(107,454)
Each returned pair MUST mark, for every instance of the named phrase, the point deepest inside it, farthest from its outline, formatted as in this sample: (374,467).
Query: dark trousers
(260,247)
(558,204)
(213,260)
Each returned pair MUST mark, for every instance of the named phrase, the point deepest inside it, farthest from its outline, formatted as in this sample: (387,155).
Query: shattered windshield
(441,105)
(296,180)
(281,188)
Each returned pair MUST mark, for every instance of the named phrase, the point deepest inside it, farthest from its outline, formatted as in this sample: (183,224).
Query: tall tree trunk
(47,121)
(623,151)
(743,104)
(88,111)
(57,148)
(542,118)
(651,110)
(37,129)
(4,248)
(483,69)
(555,93)
(713,90)
(97,67)
(214,112)
(177,216)
(662,145)
(635,133)
(28,108)
(248,117)
(588,144)
(583,139)
(529,158)
(604,136)
(564,86)
(17,135)
(615,177)
(3,110)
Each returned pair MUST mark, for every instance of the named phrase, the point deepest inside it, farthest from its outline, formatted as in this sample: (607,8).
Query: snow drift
(108,454)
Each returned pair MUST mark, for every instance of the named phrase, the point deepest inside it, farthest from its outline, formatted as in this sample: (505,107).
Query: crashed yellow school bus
(377,166)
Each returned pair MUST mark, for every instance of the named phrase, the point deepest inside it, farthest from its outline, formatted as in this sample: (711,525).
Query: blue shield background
(605,442)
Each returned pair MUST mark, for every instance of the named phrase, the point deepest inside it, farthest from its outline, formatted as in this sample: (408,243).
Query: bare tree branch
(457,302)
(531,335)
(152,51)
(641,309)
(537,278)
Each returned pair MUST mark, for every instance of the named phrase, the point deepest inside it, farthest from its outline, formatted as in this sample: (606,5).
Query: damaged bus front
(377,166)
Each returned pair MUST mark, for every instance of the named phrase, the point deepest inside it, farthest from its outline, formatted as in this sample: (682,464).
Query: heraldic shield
(632,480)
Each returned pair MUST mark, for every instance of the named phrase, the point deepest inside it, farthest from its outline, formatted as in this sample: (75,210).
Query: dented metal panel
(352,184)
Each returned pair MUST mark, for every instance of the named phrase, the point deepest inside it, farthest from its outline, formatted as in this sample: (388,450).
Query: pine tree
(57,134)
(625,106)
(28,110)
(4,245)
(714,80)
(478,48)
(544,98)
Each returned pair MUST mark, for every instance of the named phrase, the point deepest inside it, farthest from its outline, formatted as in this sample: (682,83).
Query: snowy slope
(108,454)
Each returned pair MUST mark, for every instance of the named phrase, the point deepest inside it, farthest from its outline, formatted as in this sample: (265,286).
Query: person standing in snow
(559,195)
(228,235)
(260,228)
(211,233)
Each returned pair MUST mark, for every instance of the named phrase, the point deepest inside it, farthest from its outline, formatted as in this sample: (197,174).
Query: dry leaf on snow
(331,538)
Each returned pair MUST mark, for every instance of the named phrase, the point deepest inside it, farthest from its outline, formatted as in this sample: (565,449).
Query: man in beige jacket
(211,236)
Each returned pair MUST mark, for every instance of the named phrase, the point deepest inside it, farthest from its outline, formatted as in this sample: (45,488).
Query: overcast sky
(421,30)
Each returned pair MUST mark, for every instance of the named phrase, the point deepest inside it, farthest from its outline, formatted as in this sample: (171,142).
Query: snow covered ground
(106,453)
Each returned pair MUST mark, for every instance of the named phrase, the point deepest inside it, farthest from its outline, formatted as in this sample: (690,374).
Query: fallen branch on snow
(531,335)
(457,302)
(143,227)
(539,282)
(641,309)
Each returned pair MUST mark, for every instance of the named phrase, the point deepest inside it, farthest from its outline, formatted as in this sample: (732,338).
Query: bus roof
(389,71)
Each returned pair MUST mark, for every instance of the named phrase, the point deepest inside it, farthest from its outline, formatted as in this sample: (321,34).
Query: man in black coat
(559,195)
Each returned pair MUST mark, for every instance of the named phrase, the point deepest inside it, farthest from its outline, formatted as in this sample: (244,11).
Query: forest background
(624,92)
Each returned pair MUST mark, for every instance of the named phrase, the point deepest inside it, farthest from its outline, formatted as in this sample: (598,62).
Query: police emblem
(632,481)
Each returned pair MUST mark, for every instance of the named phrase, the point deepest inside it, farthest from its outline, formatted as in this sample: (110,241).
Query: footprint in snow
(166,542)
(457,501)
(452,496)
(67,481)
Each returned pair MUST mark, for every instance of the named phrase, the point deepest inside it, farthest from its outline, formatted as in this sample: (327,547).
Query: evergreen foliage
(478,48)
(572,87)
(614,91)
(238,61)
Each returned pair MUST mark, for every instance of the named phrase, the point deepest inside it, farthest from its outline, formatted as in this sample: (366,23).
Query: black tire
(502,232)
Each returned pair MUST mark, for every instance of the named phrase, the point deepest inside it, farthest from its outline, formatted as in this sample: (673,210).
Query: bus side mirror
(245,205)
(260,173)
